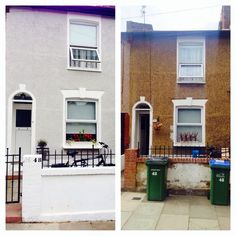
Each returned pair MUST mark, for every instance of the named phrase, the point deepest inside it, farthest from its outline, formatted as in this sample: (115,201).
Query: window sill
(84,145)
(189,144)
(190,82)
(86,70)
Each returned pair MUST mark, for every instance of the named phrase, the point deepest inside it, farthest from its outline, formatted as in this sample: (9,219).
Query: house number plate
(155,172)
(221,177)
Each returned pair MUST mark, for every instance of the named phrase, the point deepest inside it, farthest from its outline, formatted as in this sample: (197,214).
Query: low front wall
(184,175)
(67,194)
(181,177)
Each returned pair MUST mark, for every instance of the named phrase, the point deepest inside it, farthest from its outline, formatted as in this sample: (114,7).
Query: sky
(175,15)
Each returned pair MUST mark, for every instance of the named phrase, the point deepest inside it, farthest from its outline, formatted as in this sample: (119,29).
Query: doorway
(22,123)
(142,127)
(23,127)
(144,133)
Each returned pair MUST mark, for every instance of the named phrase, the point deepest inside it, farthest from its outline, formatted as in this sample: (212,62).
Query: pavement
(176,212)
(81,225)
(14,222)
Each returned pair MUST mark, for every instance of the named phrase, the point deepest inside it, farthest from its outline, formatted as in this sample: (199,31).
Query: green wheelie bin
(156,178)
(220,186)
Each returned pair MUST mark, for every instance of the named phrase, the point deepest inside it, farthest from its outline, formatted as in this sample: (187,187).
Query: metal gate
(13,177)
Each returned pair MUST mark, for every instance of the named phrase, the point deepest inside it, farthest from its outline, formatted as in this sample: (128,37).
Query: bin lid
(223,164)
(157,160)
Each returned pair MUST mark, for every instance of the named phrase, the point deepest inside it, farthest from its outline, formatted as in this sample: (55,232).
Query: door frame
(135,122)
(10,117)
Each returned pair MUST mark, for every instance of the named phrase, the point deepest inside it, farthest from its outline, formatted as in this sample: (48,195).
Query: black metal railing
(77,158)
(13,177)
(209,151)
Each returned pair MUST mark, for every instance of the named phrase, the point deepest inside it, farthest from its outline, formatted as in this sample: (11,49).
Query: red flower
(88,137)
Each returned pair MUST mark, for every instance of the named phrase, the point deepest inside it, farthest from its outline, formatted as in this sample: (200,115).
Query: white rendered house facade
(60,77)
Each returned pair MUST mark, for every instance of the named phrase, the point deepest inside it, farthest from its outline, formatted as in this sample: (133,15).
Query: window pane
(83,54)
(191,70)
(81,110)
(189,133)
(189,115)
(83,35)
(81,131)
(23,118)
(190,53)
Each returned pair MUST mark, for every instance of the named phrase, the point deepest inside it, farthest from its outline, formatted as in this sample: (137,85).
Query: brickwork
(149,60)
(130,169)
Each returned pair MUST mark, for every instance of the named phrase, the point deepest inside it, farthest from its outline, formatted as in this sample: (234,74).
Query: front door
(23,128)
(144,120)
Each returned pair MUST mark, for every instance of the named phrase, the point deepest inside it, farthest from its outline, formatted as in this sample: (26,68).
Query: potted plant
(157,125)
(42,143)
(42,148)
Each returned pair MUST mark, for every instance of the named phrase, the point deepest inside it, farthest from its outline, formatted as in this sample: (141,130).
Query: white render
(179,176)
(37,56)
(66,194)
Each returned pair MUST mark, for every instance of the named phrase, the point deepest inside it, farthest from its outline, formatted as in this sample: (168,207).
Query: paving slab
(75,226)
(178,198)
(125,216)
(103,225)
(81,225)
(129,205)
(222,211)
(145,216)
(35,226)
(175,207)
(141,223)
(133,196)
(203,224)
(150,209)
(199,200)
(176,212)
(202,212)
(224,223)
(173,222)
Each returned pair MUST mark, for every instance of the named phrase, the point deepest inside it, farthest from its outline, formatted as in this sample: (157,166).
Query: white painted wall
(37,54)
(188,176)
(67,194)
(179,176)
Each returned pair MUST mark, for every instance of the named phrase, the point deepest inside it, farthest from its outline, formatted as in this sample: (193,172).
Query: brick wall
(149,69)
(179,172)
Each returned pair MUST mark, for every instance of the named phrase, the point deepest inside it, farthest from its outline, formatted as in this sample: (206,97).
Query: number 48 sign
(220,177)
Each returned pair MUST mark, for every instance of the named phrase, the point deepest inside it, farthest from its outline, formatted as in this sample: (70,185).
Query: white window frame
(85,20)
(82,95)
(80,120)
(84,60)
(189,103)
(191,79)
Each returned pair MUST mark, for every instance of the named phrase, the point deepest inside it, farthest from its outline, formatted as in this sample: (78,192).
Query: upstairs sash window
(190,62)
(83,51)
